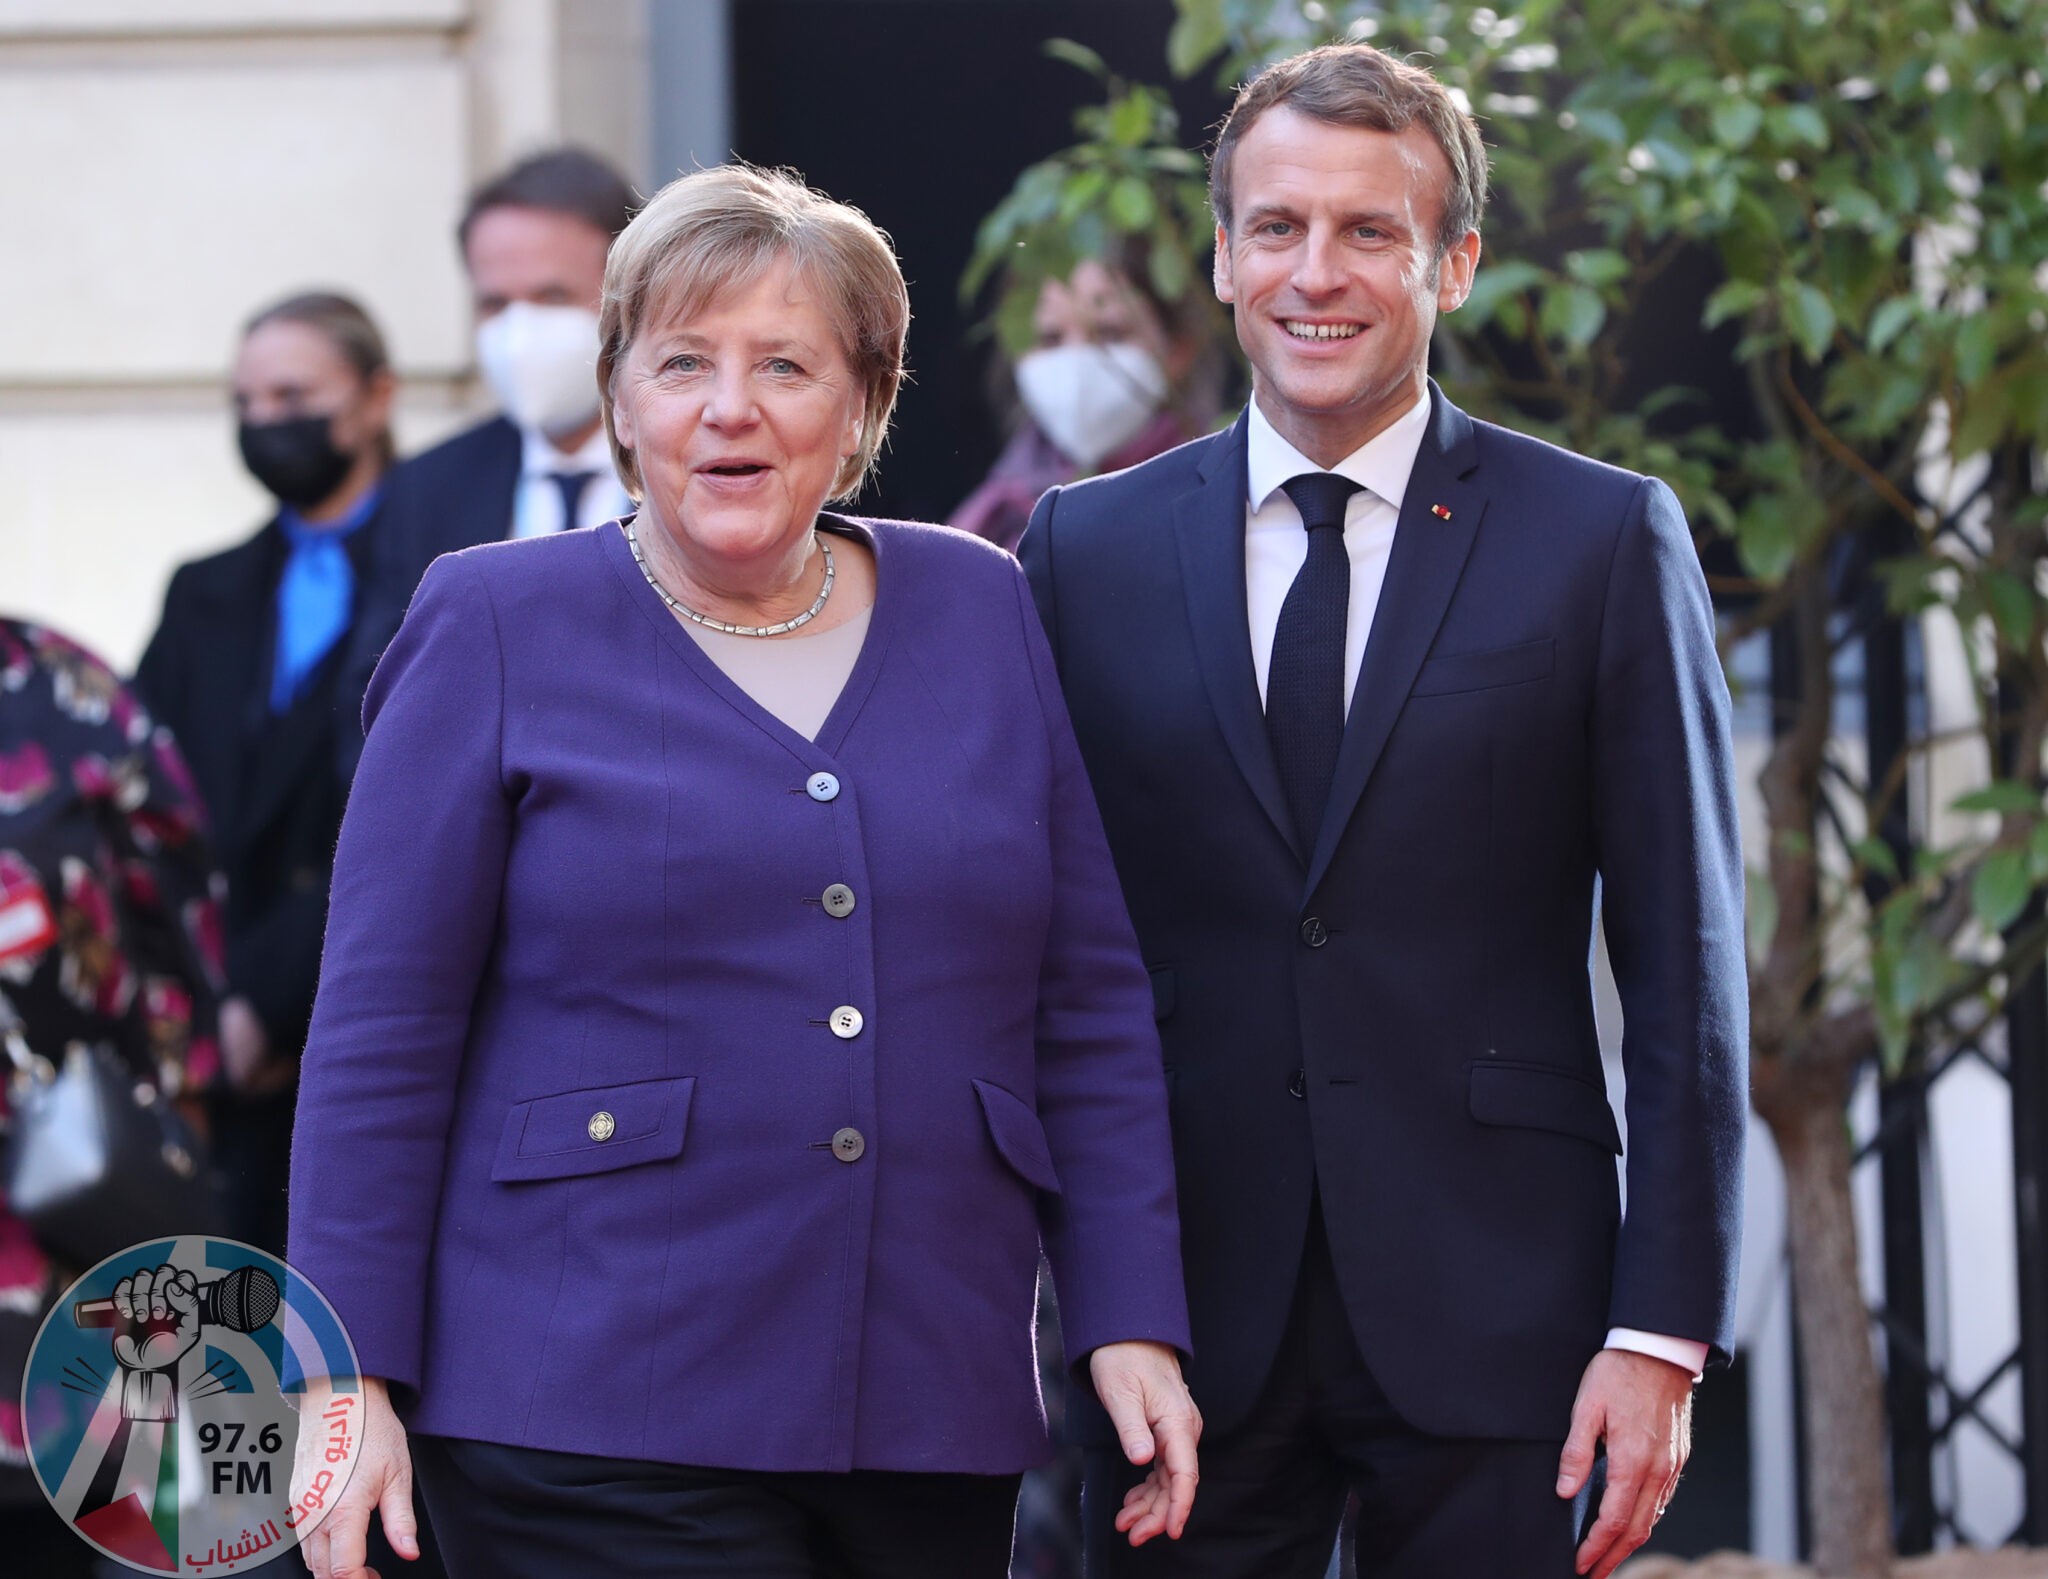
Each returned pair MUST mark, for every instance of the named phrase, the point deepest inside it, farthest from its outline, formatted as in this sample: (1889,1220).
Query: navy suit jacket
(580,874)
(1400,1015)
(455,495)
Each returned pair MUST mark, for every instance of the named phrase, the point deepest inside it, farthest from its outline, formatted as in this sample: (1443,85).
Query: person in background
(1115,375)
(109,934)
(244,670)
(533,243)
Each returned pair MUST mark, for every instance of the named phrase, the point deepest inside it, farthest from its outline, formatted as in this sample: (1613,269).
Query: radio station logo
(166,1397)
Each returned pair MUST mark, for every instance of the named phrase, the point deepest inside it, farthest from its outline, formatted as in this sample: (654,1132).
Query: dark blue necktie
(1305,682)
(572,485)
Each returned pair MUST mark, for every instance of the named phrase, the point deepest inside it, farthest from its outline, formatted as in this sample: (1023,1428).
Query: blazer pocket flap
(1538,1096)
(1018,1136)
(594,1130)
(1482,671)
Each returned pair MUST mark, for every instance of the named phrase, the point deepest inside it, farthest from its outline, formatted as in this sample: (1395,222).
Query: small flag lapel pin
(1441,512)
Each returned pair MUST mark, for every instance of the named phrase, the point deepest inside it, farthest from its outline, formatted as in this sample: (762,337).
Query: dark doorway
(922,112)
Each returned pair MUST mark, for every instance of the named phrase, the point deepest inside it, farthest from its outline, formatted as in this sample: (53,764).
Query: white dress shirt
(1276,543)
(1275,548)
(537,505)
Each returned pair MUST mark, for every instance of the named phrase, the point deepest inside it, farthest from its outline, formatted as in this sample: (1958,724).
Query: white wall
(174,165)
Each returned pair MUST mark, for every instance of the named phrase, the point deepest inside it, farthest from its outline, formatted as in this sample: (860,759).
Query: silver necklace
(805,618)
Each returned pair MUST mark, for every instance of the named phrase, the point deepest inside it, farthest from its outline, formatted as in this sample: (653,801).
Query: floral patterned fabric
(109,908)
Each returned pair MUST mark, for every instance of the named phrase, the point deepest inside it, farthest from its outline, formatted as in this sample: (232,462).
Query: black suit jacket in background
(455,495)
(270,781)
(1400,1017)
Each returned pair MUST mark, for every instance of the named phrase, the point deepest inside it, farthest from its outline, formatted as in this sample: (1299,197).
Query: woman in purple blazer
(728,990)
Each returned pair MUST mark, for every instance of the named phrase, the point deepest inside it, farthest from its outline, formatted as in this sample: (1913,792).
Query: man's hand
(1158,1424)
(381,1482)
(1642,1408)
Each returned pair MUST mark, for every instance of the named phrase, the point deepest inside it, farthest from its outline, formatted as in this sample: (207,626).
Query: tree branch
(2016,962)
(1832,442)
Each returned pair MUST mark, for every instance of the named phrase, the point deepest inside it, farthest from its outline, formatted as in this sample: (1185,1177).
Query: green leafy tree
(1869,187)
(1126,181)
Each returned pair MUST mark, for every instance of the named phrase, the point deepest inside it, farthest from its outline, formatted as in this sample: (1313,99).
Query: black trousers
(1273,1488)
(522,1513)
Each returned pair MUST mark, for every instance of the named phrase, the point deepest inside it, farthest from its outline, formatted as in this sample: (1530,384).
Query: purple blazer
(591,1154)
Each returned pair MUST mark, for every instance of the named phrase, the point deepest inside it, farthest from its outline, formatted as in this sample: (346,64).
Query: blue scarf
(316,596)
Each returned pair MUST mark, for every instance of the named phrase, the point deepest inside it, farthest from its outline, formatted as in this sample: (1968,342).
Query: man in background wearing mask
(533,243)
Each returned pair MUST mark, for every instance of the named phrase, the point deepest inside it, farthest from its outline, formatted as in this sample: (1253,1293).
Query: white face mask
(1091,400)
(541,363)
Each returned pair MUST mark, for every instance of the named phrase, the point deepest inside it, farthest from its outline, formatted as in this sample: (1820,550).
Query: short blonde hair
(712,230)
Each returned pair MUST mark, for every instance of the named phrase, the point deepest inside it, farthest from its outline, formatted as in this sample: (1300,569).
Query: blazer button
(848,1145)
(1314,933)
(1298,1086)
(846,1023)
(822,786)
(602,1126)
(839,901)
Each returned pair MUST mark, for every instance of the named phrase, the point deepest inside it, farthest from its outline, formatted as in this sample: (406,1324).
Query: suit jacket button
(822,786)
(848,1145)
(1298,1086)
(846,1022)
(1314,933)
(839,901)
(602,1126)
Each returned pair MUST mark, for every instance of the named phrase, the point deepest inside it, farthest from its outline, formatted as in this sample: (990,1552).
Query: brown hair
(710,231)
(349,329)
(1358,85)
(562,181)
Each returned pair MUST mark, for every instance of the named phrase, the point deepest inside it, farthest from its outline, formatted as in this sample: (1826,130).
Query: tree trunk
(1848,1497)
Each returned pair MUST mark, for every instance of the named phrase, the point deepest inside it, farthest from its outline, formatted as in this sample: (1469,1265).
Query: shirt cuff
(1688,1354)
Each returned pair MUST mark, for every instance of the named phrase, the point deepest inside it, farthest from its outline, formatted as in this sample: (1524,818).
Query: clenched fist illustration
(157,1326)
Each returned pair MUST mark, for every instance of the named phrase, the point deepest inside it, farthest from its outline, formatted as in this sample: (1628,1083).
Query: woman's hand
(1158,1424)
(381,1480)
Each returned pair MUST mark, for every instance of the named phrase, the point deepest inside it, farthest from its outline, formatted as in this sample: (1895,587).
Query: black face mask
(294,459)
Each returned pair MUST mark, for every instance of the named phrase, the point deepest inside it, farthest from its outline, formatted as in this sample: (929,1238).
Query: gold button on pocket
(602,1125)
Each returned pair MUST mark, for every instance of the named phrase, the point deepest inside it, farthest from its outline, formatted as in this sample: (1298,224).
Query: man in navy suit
(533,242)
(1384,708)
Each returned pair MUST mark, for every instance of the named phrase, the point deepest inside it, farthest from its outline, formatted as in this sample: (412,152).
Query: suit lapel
(279,749)
(1208,524)
(497,493)
(276,746)
(1422,572)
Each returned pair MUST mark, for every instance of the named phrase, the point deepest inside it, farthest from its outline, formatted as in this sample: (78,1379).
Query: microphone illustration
(240,1300)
